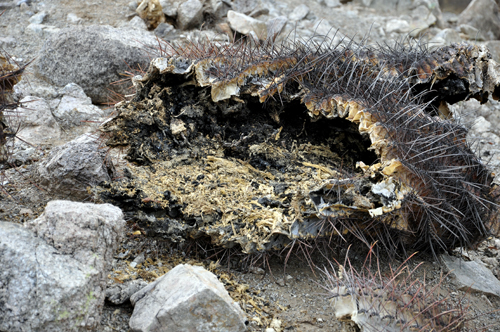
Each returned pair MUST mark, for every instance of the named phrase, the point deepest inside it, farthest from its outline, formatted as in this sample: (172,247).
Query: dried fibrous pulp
(256,146)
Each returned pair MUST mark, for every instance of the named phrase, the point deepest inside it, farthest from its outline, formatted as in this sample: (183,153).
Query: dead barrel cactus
(10,75)
(256,146)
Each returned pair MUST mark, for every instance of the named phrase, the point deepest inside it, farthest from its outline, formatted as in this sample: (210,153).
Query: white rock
(38,125)
(187,298)
(472,276)
(189,14)
(332,3)
(244,24)
(38,18)
(299,13)
(396,25)
(75,107)
(73,18)
(481,125)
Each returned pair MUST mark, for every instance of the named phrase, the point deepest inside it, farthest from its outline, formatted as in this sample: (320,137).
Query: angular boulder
(187,298)
(93,57)
(55,282)
(70,168)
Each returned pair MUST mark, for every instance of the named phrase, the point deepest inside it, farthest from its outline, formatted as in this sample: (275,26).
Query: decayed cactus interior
(256,146)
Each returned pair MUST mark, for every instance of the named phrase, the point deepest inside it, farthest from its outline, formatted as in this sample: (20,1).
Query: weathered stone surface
(70,168)
(92,57)
(188,298)
(397,25)
(38,125)
(41,290)
(120,293)
(276,25)
(88,232)
(472,275)
(55,282)
(483,15)
(75,107)
(189,14)
(244,24)
(299,13)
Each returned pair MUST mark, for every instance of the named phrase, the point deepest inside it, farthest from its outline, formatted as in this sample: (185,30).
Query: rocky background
(71,264)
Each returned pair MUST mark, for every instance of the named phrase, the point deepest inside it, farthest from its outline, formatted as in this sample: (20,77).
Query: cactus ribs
(259,145)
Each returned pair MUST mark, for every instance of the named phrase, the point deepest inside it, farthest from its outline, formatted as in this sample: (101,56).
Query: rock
(494,47)
(258,12)
(75,107)
(472,276)
(481,125)
(40,29)
(397,25)
(187,298)
(38,125)
(87,232)
(244,6)
(70,168)
(190,14)
(219,8)
(38,17)
(7,5)
(299,13)
(169,7)
(47,289)
(132,5)
(92,57)
(137,23)
(445,37)
(275,26)
(421,19)
(165,31)
(7,41)
(471,33)
(121,293)
(244,24)
(73,18)
(42,290)
(483,15)
(333,3)
(151,12)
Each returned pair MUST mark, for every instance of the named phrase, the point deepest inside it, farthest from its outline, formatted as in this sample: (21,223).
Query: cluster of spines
(394,300)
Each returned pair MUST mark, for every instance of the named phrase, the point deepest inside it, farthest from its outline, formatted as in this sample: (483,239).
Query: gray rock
(169,7)
(333,3)
(165,31)
(8,41)
(219,8)
(494,47)
(244,6)
(92,57)
(187,298)
(444,37)
(483,15)
(471,32)
(244,24)
(73,18)
(7,5)
(46,289)
(121,293)
(190,14)
(41,290)
(87,232)
(299,13)
(70,168)
(472,275)
(275,26)
(38,17)
(132,5)
(397,25)
(421,19)
(136,23)
(38,125)
(75,107)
